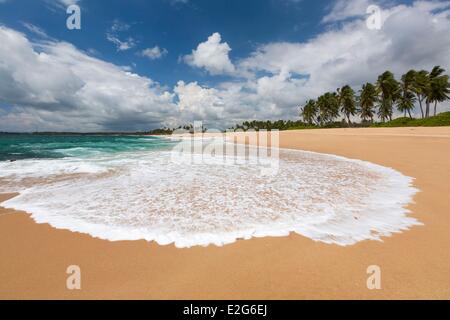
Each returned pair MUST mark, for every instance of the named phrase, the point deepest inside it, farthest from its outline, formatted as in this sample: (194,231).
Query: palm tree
(309,112)
(328,105)
(389,90)
(322,106)
(385,111)
(407,98)
(368,98)
(406,103)
(347,102)
(433,76)
(420,87)
(332,100)
(439,90)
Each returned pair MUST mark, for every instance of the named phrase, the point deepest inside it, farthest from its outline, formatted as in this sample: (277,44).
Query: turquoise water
(28,146)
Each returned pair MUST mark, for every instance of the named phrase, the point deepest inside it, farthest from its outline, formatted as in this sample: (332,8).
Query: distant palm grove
(379,99)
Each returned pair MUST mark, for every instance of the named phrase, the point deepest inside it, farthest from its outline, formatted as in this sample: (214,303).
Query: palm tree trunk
(420,104)
(409,112)
(427,113)
(435,107)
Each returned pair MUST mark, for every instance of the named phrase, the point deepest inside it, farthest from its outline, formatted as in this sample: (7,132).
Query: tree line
(379,99)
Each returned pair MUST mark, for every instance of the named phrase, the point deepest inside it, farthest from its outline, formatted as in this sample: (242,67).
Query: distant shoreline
(441,120)
(76,133)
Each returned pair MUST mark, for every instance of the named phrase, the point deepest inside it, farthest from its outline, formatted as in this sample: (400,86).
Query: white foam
(146,196)
(33,168)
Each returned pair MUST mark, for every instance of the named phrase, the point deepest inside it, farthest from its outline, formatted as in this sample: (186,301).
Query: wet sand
(414,264)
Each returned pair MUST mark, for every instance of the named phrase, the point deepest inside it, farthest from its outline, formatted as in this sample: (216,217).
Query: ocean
(36,146)
(130,188)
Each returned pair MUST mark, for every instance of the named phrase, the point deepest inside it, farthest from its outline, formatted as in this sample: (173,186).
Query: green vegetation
(442,119)
(167,131)
(269,125)
(161,132)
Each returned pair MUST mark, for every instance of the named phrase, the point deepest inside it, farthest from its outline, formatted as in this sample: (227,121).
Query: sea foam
(145,195)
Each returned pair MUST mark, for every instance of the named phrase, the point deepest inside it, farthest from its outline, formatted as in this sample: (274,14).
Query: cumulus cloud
(212,55)
(78,92)
(344,9)
(154,53)
(197,102)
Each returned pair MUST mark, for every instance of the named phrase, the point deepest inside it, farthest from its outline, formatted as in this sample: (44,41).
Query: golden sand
(414,264)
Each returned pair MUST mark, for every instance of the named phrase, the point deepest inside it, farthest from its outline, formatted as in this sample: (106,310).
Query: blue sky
(271,57)
(177,26)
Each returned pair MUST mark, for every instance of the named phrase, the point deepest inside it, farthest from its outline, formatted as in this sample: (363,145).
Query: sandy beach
(414,264)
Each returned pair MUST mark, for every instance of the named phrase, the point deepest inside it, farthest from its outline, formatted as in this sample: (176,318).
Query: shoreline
(417,261)
(397,207)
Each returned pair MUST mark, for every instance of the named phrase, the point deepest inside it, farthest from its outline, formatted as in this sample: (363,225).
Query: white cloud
(62,4)
(196,102)
(212,55)
(113,36)
(344,9)
(78,92)
(154,53)
(119,26)
(121,45)
(35,29)
(432,5)
(68,2)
